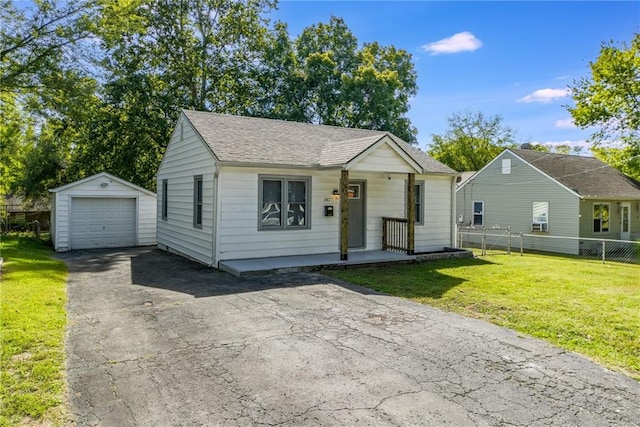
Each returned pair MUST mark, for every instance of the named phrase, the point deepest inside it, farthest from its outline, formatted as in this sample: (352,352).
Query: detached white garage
(102,211)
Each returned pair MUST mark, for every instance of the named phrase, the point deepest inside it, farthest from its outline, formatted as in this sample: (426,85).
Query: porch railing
(394,234)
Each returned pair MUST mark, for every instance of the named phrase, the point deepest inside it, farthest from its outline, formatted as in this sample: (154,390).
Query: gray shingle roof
(277,142)
(587,176)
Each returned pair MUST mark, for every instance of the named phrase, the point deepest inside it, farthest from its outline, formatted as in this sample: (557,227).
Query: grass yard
(32,327)
(580,305)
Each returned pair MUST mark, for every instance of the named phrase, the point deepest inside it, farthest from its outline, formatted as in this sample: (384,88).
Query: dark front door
(357,220)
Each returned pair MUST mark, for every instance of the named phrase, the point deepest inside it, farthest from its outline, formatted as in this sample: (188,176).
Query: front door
(357,220)
(625,221)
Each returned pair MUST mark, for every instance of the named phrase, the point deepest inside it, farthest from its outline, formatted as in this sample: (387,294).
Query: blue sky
(509,58)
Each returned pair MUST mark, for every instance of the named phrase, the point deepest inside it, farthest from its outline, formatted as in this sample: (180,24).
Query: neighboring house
(102,211)
(233,187)
(552,195)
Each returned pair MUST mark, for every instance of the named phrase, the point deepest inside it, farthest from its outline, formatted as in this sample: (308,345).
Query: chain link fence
(503,239)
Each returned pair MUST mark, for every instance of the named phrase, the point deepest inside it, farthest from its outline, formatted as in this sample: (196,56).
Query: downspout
(214,228)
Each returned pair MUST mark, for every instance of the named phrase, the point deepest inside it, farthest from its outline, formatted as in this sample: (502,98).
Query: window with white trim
(540,216)
(197,201)
(506,166)
(284,202)
(478,213)
(600,217)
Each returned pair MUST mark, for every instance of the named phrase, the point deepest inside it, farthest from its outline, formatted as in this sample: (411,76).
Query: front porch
(287,264)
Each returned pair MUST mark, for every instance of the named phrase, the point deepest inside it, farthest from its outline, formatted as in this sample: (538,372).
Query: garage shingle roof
(240,139)
(587,176)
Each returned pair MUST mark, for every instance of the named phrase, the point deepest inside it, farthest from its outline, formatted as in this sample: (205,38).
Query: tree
(15,129)
(323,77)
(626,160)
(126,134)
(471,141)
(36,43)
(610,98)
(378,91)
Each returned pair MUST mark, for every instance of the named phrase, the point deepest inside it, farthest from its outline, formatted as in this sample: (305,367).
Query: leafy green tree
(126,135)
(323,77)
(15,129)
(471,141)
(169,55)
(37,41)
(378,91)
(278,80)
(610,98)
(626,160)
(562,149)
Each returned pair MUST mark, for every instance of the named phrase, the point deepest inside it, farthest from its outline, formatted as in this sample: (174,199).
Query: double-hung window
(197,201)
(540,216)
(600,217)
(478,213)
(284,202)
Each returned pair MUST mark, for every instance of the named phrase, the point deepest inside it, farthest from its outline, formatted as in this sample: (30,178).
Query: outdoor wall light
(104,184)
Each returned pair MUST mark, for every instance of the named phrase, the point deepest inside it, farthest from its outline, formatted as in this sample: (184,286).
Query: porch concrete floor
(285,264)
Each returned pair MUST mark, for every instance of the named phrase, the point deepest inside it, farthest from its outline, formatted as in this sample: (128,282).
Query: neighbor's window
(600,217)
(284,202)
(506,166)
(478,213)
(197,201)
(540,216)
(165,203)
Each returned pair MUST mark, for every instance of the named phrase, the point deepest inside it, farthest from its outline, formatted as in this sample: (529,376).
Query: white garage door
(102,223)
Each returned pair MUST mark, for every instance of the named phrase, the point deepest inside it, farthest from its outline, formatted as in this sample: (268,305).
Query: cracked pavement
(156,340)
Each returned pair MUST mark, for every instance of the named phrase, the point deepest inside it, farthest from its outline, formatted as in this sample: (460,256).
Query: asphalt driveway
(156,340)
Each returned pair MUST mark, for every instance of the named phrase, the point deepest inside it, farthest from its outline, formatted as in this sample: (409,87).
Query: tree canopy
(96,85)
(471,141)
(609,100)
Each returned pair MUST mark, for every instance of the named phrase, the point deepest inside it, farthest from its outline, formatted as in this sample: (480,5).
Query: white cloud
(545,95)
(565,124)
(460,42)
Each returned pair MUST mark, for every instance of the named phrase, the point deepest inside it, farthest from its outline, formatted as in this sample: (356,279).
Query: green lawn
(580,305)
(32,327)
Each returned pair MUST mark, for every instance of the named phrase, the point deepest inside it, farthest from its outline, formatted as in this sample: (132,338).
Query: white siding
(508,201)
(383,159)
(183,160)
(238,223)
(63,199)
(436,232)
(239,236)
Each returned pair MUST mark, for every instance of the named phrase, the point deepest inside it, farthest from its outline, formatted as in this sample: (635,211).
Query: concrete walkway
(155,340)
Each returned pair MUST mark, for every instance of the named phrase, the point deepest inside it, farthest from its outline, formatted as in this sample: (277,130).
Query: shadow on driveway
(153,268)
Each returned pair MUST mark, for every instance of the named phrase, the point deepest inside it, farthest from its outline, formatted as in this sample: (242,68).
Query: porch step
(297,263)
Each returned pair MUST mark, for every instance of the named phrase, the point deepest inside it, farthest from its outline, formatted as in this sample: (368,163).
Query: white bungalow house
(564,200)
(233,188)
